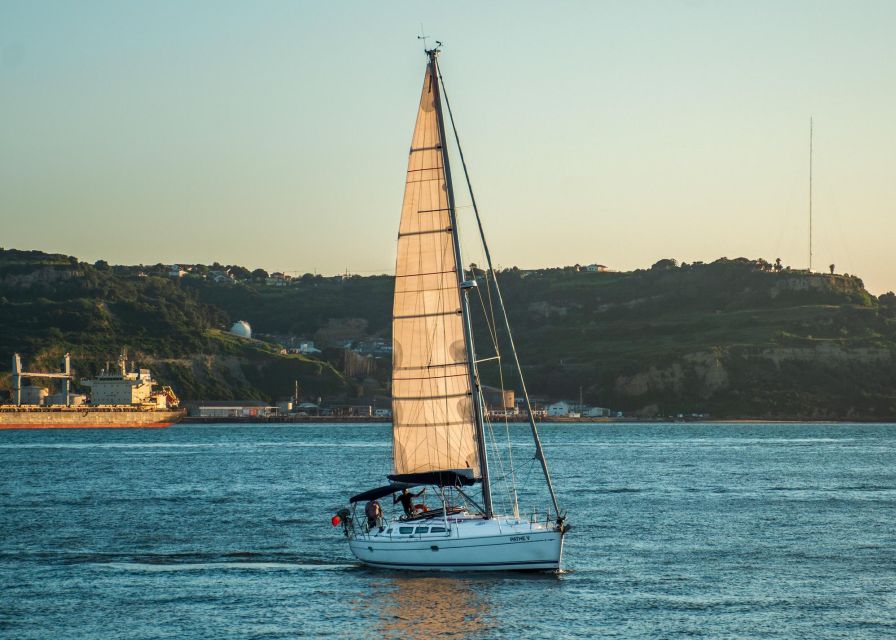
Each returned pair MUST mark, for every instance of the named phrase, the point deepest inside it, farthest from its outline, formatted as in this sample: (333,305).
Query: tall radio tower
(810,194)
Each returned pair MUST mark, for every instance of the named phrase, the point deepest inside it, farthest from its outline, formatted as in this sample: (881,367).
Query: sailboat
(438,413)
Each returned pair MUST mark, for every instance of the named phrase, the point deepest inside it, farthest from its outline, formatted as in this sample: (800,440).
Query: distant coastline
(730,339)
(594,421)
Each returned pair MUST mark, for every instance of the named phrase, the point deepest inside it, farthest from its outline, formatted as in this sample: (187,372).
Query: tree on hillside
(666,263)
(259,274)
(238,272)
(778,266)
(831,267)
(101,265)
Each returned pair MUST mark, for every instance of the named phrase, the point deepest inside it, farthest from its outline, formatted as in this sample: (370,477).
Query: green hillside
(734,338)
(50,304)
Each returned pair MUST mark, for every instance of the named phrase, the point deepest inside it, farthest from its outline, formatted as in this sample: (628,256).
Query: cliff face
(819,382)
(733,339)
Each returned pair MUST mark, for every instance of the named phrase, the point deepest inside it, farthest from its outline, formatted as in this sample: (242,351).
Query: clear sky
(275,134)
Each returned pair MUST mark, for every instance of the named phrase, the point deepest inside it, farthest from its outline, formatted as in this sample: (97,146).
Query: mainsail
(433,417)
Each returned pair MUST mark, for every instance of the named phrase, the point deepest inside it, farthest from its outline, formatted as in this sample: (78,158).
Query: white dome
(241,329)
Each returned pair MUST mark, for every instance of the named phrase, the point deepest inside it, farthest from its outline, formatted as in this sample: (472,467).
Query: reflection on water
(444,605)
(424,606)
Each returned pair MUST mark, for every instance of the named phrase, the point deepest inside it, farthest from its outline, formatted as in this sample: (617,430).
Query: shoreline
(586,421)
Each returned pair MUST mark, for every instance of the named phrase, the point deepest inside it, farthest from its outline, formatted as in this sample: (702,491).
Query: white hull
(469,544)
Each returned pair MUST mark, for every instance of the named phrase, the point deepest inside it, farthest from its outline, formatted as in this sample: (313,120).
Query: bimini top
(379,492)
(399,481)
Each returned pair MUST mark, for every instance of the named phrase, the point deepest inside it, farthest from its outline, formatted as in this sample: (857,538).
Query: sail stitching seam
(427,315)
(423,233)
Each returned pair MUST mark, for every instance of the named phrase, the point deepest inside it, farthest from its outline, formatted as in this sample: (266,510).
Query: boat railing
(432,513)
(548,517)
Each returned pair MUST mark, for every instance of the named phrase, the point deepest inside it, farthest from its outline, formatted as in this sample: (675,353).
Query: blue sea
(223,531)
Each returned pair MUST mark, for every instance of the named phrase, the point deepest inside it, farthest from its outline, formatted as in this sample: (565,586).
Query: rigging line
(492,329)
(497,453)
(497,457)
(491,307)
(489,315)
(516,503)
(528,472)
(488,257)
(509,484)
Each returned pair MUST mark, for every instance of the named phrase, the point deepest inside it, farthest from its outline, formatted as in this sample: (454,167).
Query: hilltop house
(219,276)
(278,279)
(306,348)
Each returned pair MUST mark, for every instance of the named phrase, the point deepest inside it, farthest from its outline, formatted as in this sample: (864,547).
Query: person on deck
(405,498)
(374,512)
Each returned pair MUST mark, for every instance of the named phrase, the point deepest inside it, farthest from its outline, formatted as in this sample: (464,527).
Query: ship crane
(18,376)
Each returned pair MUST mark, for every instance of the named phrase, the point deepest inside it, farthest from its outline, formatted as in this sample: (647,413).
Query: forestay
(433,417)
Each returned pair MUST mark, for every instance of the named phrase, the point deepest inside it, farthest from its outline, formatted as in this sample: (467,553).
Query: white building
(594,268)
(307,348)
(561,409)
(241,329)
(569,409)
(176,271)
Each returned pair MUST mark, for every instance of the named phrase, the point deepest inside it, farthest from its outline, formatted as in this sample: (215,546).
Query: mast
(539,451)
(810,194)
(464,286)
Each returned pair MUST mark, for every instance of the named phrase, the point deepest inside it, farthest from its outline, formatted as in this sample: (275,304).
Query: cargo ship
(119,398)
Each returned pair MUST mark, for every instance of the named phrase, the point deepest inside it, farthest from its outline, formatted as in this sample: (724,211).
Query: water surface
(204,531)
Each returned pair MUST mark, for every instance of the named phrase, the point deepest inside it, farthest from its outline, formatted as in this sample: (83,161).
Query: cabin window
(405,530)
(422,530)
(437,530)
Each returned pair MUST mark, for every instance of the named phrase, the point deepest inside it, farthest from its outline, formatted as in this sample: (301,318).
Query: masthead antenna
(423,37)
